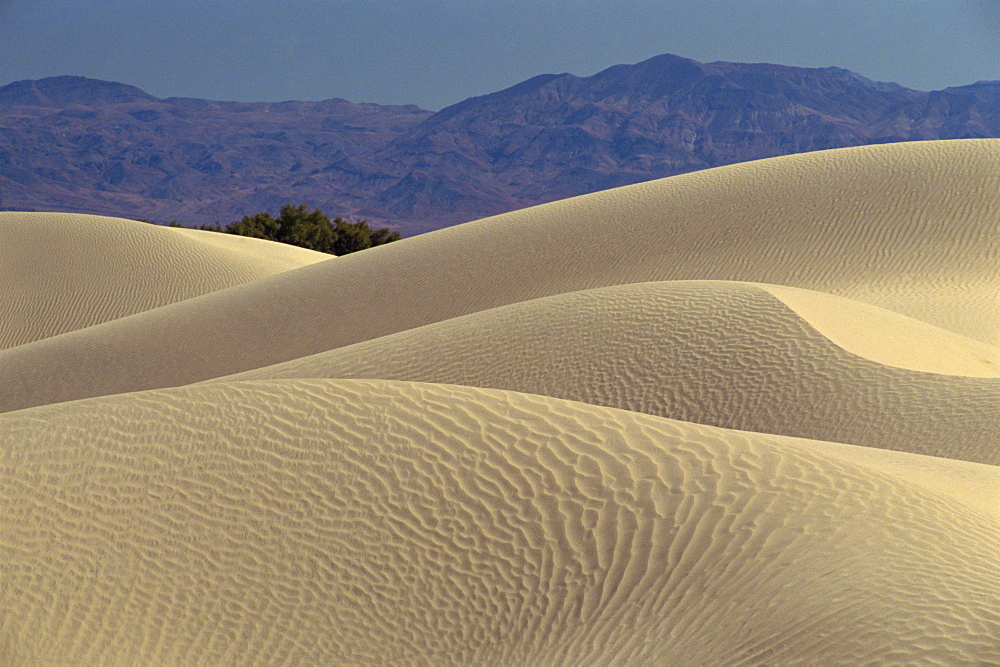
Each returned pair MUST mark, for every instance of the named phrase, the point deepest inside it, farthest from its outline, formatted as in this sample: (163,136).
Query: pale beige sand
(973,484)
(287,514)
(890,338)
(331,522)
(718,353)
(62,271)
(911,227)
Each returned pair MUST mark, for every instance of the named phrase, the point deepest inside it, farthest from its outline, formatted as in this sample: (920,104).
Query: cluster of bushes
(296,225)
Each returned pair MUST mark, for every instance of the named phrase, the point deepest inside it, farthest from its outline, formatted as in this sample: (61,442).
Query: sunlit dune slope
(911,227)
(718,353)
(888,337)
(63,271)
(331,522)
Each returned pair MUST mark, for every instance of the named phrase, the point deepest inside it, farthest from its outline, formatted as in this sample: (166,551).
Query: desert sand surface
(863,329)
(749,415)
(65,271)
(723,354)
(908,227)
(378,521)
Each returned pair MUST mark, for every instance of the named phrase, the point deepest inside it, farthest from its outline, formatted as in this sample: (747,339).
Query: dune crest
(382,521)
(910,227)
(718,353)
(746,415)
(64,271)
(889,338)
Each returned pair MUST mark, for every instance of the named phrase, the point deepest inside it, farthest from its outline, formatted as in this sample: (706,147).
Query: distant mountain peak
(653,71)
(62,90)
(73,143)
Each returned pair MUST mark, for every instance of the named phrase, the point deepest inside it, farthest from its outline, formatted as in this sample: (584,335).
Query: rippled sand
(747,415)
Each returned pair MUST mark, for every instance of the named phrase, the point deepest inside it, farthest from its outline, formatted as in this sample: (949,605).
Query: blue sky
(437,52)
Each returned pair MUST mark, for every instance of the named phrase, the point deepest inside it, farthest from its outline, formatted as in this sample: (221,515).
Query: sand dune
(742,416)
(910,227)
(889,338)
(63,271)
(370,521)
(724,354)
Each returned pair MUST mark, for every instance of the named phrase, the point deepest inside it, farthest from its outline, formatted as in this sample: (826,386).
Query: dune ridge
(425,522)
(66,271)
(863,330)
(909,227)
(744,416)
(723,354)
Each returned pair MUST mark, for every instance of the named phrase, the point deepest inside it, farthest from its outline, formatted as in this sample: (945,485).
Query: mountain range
(75,144)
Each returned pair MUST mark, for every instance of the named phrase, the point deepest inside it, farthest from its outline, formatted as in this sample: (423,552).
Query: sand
(64,271)
(373,521)
(743,416)
(890,338)
(909,227)
(717,353)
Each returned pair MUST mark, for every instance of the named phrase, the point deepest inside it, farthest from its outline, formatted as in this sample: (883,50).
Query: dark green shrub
(297,225)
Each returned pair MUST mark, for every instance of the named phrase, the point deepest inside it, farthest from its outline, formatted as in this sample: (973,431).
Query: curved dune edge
(64,271)
(716,353)
(908,227)
(976,485)
(383,521)
(890,338)
(279,256)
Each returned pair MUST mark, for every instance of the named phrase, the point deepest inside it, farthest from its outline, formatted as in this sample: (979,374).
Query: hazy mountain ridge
(70,143)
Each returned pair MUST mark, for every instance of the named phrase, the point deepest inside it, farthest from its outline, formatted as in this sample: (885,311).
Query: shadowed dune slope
(909,227)
(328,521)
(63,271)
(724,354)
